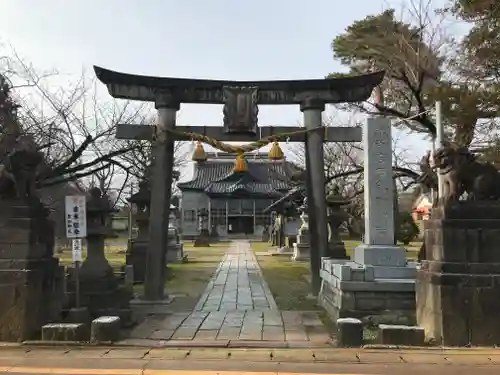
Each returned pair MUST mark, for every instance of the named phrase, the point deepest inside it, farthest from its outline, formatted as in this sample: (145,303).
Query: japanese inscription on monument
(379,214)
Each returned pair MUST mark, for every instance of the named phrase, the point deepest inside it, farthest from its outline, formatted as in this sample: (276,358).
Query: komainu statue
(463,173)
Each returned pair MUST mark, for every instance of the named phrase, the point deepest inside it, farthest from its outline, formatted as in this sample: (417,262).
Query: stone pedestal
(377,285)
(31,280)
(458,285)
(203,239)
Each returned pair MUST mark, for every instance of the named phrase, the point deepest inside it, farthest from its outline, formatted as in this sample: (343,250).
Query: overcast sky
(219,39)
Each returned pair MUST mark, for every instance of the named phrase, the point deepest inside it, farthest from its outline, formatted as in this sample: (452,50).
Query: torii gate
(241,100)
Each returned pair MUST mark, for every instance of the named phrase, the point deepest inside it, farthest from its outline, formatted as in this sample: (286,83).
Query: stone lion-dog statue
(463,173)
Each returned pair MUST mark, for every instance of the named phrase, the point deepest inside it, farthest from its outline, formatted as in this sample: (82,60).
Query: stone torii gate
(241,100)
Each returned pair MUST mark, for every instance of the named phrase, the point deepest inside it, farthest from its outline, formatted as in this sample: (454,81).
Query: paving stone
(296,335)
(229,333)
(291,317)
(250,332)
(236,308)
(317,334)
(273,333)
(163,334)
(184,333)
(272,318)
(206,334)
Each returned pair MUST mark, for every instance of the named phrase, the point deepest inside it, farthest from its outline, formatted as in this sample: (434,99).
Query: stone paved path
(237,306)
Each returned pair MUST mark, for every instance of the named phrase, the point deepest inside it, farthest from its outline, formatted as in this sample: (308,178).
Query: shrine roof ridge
(141,87)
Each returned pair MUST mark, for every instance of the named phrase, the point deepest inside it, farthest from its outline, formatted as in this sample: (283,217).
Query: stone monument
(457,287)
(378,282)
(302,248)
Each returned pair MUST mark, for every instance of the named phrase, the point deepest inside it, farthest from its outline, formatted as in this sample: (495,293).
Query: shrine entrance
(241,100)
(240,225)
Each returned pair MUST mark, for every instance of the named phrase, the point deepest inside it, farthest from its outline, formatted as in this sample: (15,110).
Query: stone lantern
(302,248)
(175,249)
(98,284)
(336,216)
(138,247)
(203,238)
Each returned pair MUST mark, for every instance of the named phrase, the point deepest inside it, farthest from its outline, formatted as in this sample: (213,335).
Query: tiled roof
(217,177)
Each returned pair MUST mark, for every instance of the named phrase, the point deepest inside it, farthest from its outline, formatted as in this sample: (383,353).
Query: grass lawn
(186,281)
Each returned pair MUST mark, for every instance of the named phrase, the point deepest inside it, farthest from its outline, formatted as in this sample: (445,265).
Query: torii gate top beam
(205,91)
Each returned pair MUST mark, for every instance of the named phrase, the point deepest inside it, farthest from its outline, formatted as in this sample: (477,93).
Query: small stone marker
(350,332)
(105,329)
(400,335)
(65,332)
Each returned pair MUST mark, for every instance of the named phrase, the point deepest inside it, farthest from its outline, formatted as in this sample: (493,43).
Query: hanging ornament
(276,152)
(240,164)
(199,154)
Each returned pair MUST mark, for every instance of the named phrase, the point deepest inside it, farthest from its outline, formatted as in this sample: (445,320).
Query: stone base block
(380,255)
(105,329)
(351,290)
(125,315)
(65,332)
(401,335)
(350,332)
(301,252)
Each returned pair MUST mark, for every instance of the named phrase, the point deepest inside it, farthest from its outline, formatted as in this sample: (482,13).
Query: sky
(217,39)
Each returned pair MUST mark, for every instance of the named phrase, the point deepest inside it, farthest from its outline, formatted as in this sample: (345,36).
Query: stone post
(378,248)
(312,109)
(161,191)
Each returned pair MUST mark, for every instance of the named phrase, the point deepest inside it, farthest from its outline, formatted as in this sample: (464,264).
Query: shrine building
(235,190)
